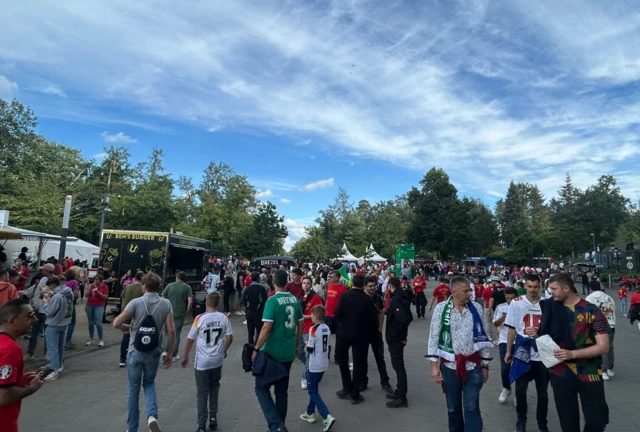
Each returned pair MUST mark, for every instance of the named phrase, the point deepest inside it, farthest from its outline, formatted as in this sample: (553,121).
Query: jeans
(254,326)
(360,350)
(594,405)
(540,374)
(315,400)
(72,326)
(141,368)
(377,346)
(178,323)
(396,352)
(208,388)
(35,333)
(124,344)
(274,413)
(94,318)
(463,395)
(624,306)
(609,358)
(505,368)
(54,335)
(302,354)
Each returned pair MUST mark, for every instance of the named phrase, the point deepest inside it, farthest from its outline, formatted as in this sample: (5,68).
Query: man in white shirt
(213,333)
(523,318)
(608,308)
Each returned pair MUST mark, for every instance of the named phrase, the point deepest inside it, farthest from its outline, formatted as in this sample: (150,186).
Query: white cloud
(8,89)
(52,89)
(320,184)
(296,228)
(285,201)
(118,138)
(100,156)
(264,194)
(273,185)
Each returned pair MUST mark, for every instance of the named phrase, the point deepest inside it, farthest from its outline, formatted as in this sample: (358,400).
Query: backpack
(148,334)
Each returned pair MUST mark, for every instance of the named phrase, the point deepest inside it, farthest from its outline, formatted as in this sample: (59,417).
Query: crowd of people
(296,312)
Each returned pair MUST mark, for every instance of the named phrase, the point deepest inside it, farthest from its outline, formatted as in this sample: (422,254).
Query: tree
(266,233)
(514,220)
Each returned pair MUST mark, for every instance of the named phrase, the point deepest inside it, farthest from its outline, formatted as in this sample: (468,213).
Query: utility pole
(65,218)
(105,199)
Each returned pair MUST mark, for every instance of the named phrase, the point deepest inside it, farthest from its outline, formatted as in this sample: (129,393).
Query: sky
(306,97)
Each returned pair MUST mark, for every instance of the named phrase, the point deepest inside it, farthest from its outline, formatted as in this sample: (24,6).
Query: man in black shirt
(106,271)
(255,297)
(357,320)
(398,319)
(377,344)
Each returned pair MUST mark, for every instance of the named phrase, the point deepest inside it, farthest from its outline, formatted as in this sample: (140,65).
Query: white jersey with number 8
(320,341)
(210,329)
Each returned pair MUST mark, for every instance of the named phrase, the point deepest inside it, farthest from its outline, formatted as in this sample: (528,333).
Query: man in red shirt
(309,299)
(419,285)
(23,274)
(295,286)
(16,318)
(441,293)
(334,290)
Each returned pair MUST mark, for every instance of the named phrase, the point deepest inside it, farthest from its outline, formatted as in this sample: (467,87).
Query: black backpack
(148,334)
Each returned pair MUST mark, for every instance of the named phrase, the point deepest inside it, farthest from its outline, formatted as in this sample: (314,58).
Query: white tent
(372,255)
(345,255)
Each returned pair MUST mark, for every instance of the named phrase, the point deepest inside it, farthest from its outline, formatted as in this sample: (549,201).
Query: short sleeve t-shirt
(498,297)
(622,293)
(178,293)
(441,293)
(11,374)
(334,291)
(295,289)
(284,311)
(94,299)
(209,330)
(586,321)
(132,291)
(320,341)
(501,310)
(419,285)
(139,312)
(522,314)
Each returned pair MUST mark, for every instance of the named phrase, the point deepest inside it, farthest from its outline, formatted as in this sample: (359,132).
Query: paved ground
(91,395)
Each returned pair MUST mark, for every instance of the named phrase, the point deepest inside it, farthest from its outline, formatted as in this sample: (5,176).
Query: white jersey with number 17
(210,330)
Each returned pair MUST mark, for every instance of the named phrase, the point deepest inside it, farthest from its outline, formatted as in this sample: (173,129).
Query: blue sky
(304,97)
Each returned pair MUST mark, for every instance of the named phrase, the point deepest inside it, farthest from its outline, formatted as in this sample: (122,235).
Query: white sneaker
(61,369)
(175,358)
(244,322)
(504,395)
(101,344)
(605,376)
(610,373)
(89,343)
(243,312)
(163,356)
(309,418)
(303,385)
(237,313)
(52,376)
(153,424)
(351,367)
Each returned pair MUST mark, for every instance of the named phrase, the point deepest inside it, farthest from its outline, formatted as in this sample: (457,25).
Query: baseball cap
(48,267)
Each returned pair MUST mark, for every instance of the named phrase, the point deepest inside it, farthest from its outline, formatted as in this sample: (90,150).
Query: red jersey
(486,295)
(22,282)
(334,291)
(295,289)
(11,374)
(622,293)
(94,299)
(479,289)
(315,300)
(247,281)
(635,298)
(419,285)
(441,293)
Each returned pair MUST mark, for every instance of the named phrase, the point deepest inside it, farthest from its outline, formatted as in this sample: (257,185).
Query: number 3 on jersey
(290,322)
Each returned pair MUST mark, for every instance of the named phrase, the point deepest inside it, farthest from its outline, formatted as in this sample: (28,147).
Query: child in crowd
(499,317)
(212,331)
(318,349)
(622,295)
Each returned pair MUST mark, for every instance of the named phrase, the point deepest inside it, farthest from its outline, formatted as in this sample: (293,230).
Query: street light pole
(65,226)
(593,237)
(105,200)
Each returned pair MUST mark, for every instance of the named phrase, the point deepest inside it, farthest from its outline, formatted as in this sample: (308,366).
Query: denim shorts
(239,293)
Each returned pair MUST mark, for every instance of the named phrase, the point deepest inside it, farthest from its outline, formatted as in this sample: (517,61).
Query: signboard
(629,265)
(189,242)
(405,253)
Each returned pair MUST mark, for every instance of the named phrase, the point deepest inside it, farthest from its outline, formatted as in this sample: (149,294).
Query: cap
(48,267)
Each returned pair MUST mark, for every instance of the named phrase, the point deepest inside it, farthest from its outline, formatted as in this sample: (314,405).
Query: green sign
(405,253)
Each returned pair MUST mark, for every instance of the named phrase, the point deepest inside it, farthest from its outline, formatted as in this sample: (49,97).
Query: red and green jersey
(586,320)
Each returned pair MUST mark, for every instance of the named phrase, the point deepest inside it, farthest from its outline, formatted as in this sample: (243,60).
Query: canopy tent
(345,255)
(8,233)
(372,255)
(32,240)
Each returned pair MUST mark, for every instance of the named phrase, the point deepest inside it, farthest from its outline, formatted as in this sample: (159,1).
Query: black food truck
(164,253)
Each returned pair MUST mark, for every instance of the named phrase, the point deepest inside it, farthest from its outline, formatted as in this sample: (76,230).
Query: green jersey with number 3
(284,311)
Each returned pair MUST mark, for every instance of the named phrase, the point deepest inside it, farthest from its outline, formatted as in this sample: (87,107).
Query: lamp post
(593,238)
(105,199)
(65,218)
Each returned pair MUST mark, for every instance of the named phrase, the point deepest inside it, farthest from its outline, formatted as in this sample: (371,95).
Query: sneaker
(387,388)
(175,358)
(303,384)
(101,344)
(61,369)
(27,357)
(605,376)
(243,312)
(122,364)
(89,343)
(69,346)
(504,395)
(328,423)
(27,337)
(213,423)
(163,356)
(244,322)
(153,424)
(398,403)
(200,429)
(343,394)
(610,373)
(391,396)
(238,313)
(309,418)
(356,400)
(351,366)
(52,376)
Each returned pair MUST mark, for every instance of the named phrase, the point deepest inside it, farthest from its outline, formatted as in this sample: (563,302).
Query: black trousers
(421,304)
(377,346)
(360,350)
(225,300)
(540,375)
(594,405)
(254,325)
(396,351)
